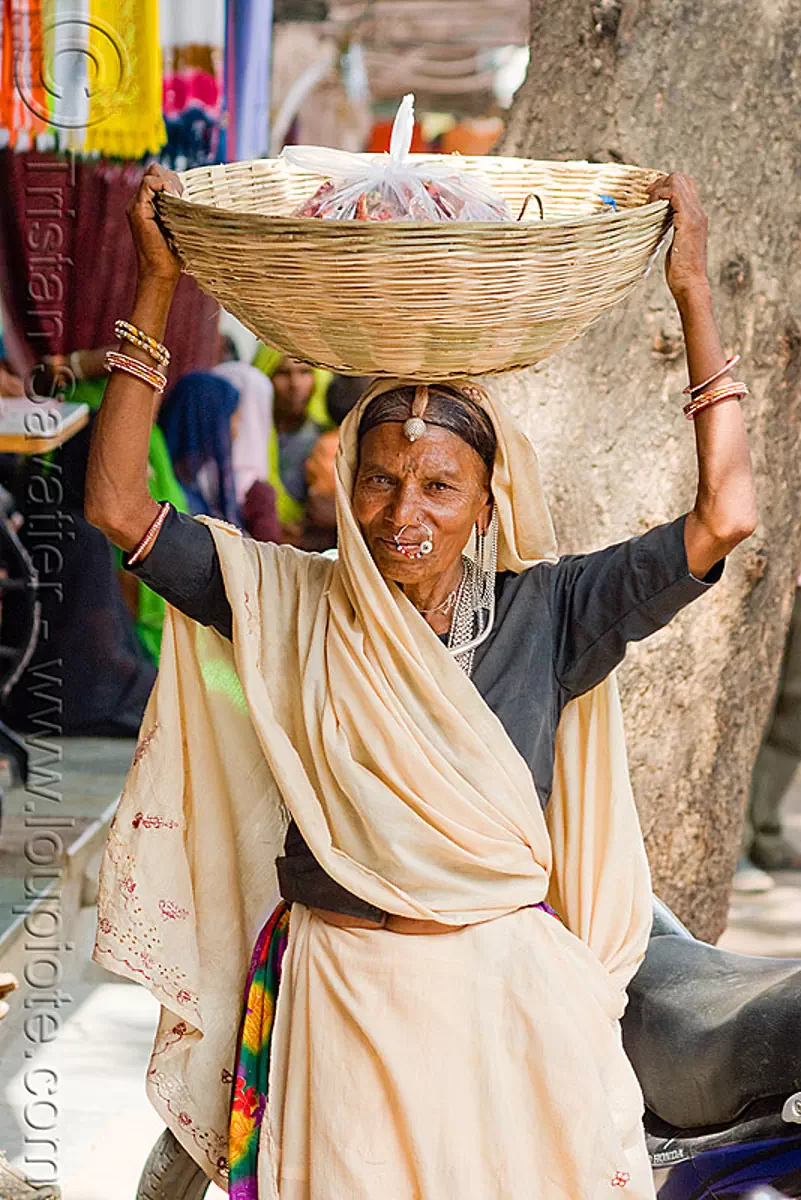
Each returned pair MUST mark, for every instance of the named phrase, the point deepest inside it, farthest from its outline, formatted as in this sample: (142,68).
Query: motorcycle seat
(709,1032)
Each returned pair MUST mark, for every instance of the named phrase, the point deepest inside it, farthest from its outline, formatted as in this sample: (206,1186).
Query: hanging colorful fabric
(253,1056)
(125,118)
(248,43)
(24,103)
(72,74)
(192,39)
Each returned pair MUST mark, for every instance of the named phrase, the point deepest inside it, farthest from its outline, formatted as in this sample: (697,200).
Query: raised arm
(117,497)
(725,506)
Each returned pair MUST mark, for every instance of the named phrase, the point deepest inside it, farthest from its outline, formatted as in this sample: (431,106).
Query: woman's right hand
(156,260)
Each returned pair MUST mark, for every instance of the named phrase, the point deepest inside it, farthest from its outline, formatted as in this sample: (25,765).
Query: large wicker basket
(426,301)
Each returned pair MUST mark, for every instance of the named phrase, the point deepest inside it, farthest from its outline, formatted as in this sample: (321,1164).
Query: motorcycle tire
(171,1174)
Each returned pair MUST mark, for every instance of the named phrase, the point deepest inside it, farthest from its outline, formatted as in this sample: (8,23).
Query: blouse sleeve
(602,601)
(183,567)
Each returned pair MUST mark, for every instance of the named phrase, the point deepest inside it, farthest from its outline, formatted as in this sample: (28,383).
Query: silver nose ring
(425,547)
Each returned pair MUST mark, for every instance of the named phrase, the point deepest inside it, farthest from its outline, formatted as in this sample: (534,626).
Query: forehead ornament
(415,426)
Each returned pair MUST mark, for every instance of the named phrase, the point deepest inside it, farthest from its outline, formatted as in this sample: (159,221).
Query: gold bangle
(127,332)
(114,361)
(727,391)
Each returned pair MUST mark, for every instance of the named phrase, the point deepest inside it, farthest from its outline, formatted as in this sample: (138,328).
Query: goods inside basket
(390,187)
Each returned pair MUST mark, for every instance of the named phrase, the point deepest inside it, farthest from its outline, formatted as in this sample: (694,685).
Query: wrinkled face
(438,481)
(293,384)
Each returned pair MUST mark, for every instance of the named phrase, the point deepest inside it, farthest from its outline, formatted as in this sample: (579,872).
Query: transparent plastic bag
(388,187)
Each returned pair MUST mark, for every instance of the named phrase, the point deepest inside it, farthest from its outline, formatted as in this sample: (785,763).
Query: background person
(300,415)
(320,521)
(765,846)
(97,666)
(196,420)
(253,430)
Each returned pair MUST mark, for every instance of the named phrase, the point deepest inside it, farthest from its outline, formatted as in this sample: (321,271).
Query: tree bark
(712,90)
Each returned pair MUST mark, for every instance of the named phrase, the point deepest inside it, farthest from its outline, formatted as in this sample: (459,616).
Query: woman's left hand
(685,265)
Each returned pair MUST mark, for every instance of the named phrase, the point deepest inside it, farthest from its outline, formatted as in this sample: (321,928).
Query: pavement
(85,1087)
(100,1120)
(770,923)
(93,1076)
(73,786)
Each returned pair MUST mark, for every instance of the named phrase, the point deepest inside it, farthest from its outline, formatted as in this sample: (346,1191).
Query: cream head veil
(526,530)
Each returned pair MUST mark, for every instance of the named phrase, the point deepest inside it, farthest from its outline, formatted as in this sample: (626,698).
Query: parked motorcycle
(715,1039)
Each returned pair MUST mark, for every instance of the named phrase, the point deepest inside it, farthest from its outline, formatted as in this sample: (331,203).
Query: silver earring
(474,614)
(486,565)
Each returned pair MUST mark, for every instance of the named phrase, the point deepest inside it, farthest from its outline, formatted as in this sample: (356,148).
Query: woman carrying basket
(430,745)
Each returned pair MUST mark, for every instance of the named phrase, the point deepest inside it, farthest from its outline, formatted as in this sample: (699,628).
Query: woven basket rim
(512,159)
(368,229)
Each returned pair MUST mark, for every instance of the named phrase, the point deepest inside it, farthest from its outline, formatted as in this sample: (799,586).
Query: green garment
(163,486)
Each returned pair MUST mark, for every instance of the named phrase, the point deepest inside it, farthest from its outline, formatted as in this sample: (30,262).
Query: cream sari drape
(335,701)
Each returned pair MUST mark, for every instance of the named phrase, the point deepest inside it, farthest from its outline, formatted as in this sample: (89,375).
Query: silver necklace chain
(445,607)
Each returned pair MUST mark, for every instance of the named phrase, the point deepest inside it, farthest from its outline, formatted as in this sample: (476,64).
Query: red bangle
(694,389)
(153,532)
(152,376)
(726,391)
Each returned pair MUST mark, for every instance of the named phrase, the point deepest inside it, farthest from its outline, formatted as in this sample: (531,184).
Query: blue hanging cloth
(248,49)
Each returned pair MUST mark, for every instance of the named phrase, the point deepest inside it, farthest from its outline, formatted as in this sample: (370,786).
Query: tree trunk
(712,90)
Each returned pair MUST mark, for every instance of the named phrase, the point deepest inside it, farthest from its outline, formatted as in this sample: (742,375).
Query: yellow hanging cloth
(125,108)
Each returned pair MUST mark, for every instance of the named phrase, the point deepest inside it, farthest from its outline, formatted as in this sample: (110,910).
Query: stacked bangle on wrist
(114,361)
(127,332)
(692,390)
(726,391)
(150,536)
